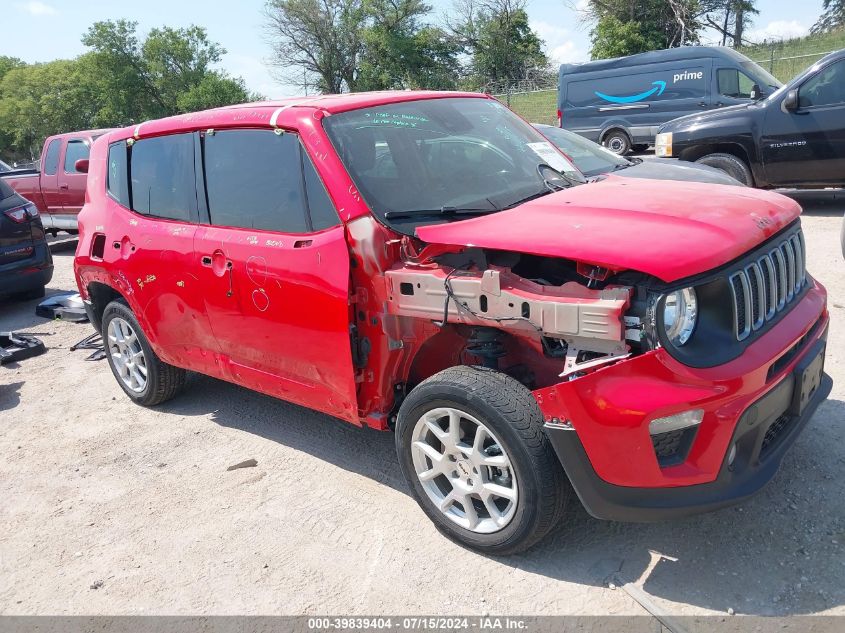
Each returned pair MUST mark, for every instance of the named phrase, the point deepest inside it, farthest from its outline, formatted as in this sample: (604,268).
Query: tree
(730,18)
(832,18)
(151,79)
(398,52)
(643,25)
(497,35)
(322,38)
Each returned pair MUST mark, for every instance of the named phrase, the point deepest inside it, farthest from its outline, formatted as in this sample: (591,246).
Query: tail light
(23,214)
(560,118)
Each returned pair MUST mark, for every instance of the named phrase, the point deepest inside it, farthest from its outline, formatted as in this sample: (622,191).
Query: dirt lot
(106,507)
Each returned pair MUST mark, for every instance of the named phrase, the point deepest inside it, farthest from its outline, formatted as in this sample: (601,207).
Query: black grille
(775,432)
(672,447)
(768,285)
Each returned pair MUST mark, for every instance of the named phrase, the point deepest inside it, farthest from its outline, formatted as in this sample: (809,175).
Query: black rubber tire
(163,381)
(512,413)
(619,139)
(731,165)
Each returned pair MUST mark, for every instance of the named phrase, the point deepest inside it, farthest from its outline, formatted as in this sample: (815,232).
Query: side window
(163,178)
(323,214)
(826,88)
(254,180)
(76,150)
(51,158)
(733,83)
(117,178)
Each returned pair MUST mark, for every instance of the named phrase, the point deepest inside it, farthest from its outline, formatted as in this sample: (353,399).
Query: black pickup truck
(794,137)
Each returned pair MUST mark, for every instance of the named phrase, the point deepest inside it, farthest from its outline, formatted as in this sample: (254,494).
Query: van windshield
(438,160)
(761,76)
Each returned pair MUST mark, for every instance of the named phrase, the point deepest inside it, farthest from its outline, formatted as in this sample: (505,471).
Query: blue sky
(42,30)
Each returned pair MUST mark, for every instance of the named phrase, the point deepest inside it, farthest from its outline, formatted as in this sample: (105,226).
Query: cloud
(36,8)
(562,46)
(778,30)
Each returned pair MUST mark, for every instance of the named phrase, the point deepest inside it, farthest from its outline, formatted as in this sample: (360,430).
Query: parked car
(793,138)
(26,265)
(593,160)
(658,342)
(58,188)
(621,102)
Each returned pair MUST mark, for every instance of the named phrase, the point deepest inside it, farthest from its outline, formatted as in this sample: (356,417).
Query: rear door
(72,182)
(274,268)
(807,145)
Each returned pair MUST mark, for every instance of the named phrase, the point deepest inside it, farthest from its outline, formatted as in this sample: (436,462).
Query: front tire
(145,378)
(472,448)
(731,165)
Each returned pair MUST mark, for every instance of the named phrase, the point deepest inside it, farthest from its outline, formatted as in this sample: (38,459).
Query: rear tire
(731,165)
(145,378)
(474,435)
(617,141)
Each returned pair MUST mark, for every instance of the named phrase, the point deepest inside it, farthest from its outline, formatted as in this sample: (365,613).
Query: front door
(807,145)
(274,267)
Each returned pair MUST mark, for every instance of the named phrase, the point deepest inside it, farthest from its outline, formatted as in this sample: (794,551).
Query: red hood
(667,229)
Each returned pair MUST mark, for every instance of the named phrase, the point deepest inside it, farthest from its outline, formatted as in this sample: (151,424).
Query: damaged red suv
(428,263)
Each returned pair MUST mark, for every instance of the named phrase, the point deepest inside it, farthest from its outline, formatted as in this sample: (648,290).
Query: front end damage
(642,434)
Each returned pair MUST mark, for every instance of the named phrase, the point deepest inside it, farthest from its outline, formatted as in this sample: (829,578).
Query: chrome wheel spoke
(464,470)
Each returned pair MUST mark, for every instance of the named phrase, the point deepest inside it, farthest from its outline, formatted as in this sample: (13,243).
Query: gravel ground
(110,508)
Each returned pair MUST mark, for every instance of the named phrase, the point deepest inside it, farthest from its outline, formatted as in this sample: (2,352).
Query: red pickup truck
(428,263)
(57,188)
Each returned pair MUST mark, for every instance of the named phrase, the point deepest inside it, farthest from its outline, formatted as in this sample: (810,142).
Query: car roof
(267,112)
(654,57)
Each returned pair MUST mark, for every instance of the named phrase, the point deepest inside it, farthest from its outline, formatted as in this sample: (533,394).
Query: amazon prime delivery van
(621,102)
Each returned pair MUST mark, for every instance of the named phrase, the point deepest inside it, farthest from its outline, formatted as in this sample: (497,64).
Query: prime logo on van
(659,87)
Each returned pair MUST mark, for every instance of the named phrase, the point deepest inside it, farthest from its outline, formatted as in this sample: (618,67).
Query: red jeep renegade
(428,263)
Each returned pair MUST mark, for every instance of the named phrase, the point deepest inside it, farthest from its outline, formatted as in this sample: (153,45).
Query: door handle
(206,260)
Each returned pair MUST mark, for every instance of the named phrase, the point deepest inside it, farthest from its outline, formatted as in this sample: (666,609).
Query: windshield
(761,76)
(590,158)
(427,161)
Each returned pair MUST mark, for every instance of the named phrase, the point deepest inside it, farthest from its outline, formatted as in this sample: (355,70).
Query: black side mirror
(756,93)
(790,101)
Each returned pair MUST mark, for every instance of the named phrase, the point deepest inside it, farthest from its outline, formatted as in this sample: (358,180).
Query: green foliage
(832,18)
(121,80)
(613,38)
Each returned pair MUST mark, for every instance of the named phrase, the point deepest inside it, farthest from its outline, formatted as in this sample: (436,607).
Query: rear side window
(51,157)
(733,83)
(254,180)
(163,177)
(76,150)
(117,179)
(322,211)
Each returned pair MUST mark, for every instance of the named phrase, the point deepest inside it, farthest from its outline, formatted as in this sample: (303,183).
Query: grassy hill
(786,58)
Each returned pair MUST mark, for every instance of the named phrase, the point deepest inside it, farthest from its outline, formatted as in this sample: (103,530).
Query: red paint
(285,328)
(59,196)
(671,230)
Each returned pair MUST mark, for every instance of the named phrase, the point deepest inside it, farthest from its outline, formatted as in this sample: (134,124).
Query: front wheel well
(692,154)
(100,295)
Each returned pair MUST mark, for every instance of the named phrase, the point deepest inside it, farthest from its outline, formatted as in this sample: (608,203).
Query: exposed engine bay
(574,316)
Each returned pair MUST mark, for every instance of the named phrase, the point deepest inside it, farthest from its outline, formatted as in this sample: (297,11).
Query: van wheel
(472,448)
(731,165)
(140,373)
(617,141)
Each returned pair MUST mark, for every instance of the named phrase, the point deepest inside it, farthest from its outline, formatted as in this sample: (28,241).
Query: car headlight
(663,145)
(680,313)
